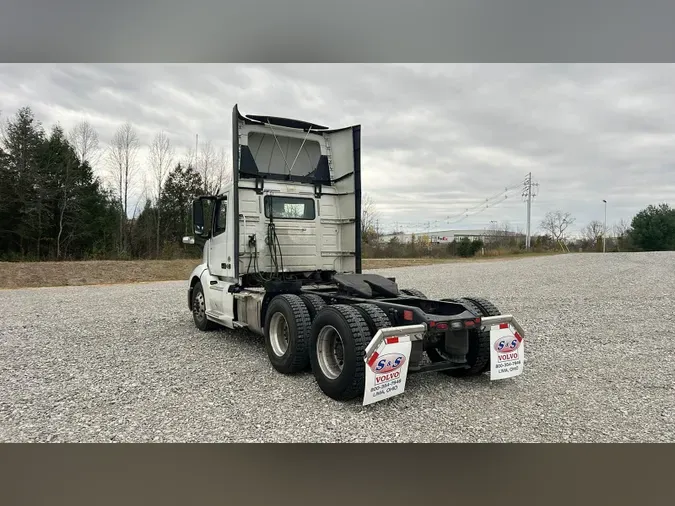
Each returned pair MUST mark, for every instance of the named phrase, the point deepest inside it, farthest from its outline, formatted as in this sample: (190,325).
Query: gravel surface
(125,363)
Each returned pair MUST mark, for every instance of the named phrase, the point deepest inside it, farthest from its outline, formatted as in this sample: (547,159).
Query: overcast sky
(437,138)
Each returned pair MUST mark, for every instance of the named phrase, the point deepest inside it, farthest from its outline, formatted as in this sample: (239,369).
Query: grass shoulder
(102,272)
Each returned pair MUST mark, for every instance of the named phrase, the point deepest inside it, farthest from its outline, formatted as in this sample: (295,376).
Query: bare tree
(206,163)
(621,231)
(161,159)
(122,154)
(556,223)
(65,199)
(593,232)
(223,171)
(213,165)
(621,228)
(498,234)
(369,216)
(84,139)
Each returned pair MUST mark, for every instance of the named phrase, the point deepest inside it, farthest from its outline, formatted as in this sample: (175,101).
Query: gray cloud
(437,139)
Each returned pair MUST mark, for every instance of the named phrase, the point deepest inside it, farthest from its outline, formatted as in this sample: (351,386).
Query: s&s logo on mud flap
(507,345)
(388,363)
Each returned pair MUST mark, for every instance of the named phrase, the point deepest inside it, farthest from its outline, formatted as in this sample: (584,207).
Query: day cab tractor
(282,258)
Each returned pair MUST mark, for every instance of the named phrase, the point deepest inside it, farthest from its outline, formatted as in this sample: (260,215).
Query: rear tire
(313,302)
(338,341)
(478,357)
(287,325)
(199,310)
(488,309)
(413,293)
(375,318)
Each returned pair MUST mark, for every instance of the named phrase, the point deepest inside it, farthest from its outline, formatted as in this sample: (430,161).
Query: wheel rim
(279,334)
(199,308)
(330,352)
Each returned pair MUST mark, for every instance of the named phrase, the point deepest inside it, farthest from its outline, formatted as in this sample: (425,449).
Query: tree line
(651,229)
(53,205)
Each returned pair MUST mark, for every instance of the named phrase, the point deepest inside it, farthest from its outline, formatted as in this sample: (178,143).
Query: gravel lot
(125,363)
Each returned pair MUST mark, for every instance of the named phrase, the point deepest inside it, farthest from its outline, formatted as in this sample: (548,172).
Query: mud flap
(387,359)
(506,351)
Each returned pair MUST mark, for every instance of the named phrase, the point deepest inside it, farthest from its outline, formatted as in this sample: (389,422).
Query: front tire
(287,325)
(199,309)
(338,341)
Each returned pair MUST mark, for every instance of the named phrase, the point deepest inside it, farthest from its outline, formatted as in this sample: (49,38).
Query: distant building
(447,236)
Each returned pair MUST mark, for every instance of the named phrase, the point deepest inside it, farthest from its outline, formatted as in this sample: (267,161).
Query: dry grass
(37,274)
(95,272)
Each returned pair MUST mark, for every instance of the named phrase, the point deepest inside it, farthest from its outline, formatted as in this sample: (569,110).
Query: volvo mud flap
(507,346)
(387,359)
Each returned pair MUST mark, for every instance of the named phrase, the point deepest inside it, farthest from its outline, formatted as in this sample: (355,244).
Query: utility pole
(528,194)
(604,232)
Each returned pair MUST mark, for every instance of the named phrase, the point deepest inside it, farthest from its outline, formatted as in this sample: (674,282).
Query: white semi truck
(282,257)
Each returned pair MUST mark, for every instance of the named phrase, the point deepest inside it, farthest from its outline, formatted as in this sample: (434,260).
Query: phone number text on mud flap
(385,388)
(512,366)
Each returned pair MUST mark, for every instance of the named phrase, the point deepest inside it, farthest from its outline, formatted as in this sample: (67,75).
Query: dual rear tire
(302,331)
(337,345)
(286,333)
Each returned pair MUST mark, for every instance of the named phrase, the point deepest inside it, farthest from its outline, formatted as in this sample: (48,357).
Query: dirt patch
(38,274)
(95,272)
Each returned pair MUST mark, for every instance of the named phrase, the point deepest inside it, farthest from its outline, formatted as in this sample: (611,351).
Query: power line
(528,194)
(487,203)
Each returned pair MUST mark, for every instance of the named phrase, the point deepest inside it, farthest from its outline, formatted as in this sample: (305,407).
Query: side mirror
(198,218)
(188,239)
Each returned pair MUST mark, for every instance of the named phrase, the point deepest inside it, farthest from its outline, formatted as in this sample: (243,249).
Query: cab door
(220,256)
(220,263)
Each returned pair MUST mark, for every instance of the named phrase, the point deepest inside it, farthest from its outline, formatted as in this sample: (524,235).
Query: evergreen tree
(182,186)
(21,206)
(653,228)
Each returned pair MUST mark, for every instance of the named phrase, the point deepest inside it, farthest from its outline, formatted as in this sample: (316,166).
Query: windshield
(276,155)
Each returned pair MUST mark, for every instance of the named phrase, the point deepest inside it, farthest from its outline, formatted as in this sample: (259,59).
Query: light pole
(604,233)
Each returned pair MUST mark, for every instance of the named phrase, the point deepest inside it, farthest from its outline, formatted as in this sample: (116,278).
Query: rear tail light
(442,326)
(472,323)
